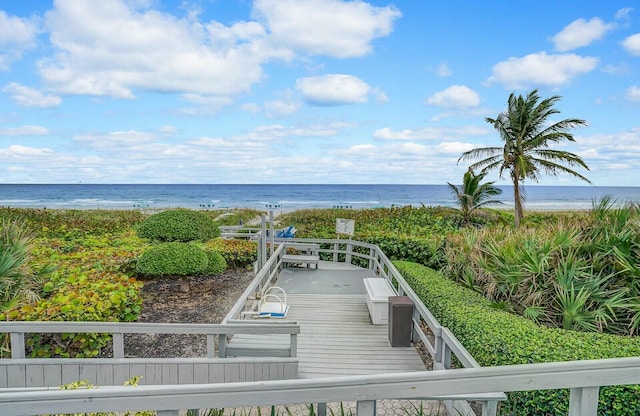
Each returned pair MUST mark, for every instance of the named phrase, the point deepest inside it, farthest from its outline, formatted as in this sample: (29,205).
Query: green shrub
(69,223)
(237,253)
(179,225)
(495,337)
(172,259)
(216,264)
(101,297)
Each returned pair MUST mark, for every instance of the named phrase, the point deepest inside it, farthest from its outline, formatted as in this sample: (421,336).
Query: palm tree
(527,133)
(473,194)
(19,282)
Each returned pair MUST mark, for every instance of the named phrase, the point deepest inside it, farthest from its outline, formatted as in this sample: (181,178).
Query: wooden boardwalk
(336,334)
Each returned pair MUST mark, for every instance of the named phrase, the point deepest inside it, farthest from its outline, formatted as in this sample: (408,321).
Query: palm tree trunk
(517,199)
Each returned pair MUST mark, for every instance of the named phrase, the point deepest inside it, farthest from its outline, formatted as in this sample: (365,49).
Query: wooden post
(17,345)
(263,242)
(271,233)
(222,345)
(211,346)
(366,408)
(583,401)
(490,408)
(347,259)
(294,345)
(118,345)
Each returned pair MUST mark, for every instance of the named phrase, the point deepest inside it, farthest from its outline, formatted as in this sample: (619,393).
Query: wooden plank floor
(337,336)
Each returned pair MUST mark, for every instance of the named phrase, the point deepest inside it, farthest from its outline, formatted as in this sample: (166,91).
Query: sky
(306,91)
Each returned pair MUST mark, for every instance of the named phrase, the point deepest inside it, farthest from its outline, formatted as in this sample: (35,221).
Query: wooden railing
(440,346)
(453,386)
(19,371)
(584,378)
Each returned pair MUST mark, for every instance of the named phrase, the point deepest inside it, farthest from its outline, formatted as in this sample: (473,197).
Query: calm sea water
(287,197)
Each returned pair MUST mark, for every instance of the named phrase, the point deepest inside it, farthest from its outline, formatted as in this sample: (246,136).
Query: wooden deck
(336,334)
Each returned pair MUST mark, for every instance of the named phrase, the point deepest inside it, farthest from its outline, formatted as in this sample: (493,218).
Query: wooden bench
(378,291)
(311,254)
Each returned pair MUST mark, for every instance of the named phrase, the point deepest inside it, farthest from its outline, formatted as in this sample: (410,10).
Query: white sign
(344,226)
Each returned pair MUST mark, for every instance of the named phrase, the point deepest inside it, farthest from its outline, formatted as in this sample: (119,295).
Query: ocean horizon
(287,197)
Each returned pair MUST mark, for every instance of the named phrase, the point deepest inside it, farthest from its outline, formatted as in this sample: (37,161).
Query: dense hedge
(216,264)
(173,259)
(179,225)
(70,223)
(237,253)
(496,337)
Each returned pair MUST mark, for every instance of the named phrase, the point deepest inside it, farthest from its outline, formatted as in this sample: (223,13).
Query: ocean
(286,197)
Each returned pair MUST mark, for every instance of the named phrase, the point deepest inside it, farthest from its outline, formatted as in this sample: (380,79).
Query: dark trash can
(400,321)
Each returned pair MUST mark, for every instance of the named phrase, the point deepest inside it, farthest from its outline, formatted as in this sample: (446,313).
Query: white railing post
(211,346)
(347,258)
(366,408)
(271,233)
(490,408)
(322,409)
(263,241)
(222,345)
(439,346)
(371,262)
(336,247)
(118,344)
(294,345)
(583,401)
(167,412)
(17,345)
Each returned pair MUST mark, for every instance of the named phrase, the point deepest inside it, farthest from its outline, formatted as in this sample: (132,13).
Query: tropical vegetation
(496,337)
(582,274)
(473,194)
(527,131)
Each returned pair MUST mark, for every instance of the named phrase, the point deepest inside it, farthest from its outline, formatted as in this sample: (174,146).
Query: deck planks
(337,338)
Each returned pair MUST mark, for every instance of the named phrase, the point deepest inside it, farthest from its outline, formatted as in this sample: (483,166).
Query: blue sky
(305,91)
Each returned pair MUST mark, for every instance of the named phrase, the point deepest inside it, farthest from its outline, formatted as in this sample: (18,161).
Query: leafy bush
(237,253)
(100,297)
(19,282)
(216,264)
(173,259)
(54,223)
(496,337)
(179,225)
(573,272)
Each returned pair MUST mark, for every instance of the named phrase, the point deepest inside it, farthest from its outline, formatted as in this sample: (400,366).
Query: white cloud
(149,50)
(24,131)
(456,148)
(443,70)
(16,36)
(633,94)
(30,97)
(280,108)
(117,140)
(580,33)
(333,89)
(326,27)
(632,44)
(541,69)
(16,151)
(623,13)
(456,96)
(431,133)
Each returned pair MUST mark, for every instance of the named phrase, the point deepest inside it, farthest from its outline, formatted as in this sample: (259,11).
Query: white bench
(311,254)
(378,291)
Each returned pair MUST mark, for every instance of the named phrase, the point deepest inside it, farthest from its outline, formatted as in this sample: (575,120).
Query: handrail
(444,344)
(584,378)
(265,276)
(17,331)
